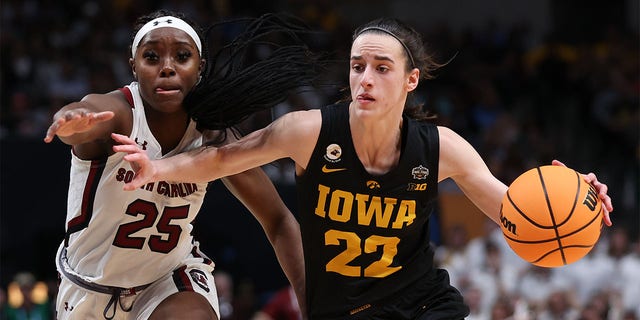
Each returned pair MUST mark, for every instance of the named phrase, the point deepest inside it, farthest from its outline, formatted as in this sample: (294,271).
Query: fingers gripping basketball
(550,216)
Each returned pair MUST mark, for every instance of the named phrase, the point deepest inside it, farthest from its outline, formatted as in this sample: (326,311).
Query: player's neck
(378,148)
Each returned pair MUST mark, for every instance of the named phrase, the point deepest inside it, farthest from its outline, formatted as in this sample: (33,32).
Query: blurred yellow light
(40,293)
(14,295)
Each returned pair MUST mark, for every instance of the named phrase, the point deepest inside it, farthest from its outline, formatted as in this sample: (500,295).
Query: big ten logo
(417,186)
(591,198)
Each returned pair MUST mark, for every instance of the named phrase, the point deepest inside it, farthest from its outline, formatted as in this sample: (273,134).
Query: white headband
(168,22)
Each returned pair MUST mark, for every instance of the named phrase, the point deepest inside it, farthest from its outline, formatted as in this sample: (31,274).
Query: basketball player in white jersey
(131,255)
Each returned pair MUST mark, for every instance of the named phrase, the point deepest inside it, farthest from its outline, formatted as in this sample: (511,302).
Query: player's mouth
(365,97)
(167,90)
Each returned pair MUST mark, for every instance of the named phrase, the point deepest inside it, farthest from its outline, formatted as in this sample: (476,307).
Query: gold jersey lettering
(365,214)
(336,211)
(323,191)
(368,208)
(406,214)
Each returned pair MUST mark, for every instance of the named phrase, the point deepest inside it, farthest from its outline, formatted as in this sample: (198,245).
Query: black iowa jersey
(366,238)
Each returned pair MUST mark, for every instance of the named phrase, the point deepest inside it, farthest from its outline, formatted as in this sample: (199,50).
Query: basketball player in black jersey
(367,173)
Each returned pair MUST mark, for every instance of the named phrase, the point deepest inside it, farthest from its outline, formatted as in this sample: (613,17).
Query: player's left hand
(140,162)
(601,189)
(70,122)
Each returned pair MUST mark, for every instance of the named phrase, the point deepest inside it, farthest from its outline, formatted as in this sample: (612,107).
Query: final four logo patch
(420,172)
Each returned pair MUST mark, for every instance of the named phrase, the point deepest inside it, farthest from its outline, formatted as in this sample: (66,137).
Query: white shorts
(74,302)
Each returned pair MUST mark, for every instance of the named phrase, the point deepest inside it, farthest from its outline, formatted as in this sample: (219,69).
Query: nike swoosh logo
(329,170)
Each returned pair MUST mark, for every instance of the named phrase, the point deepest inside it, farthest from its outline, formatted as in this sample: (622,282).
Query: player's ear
(413,80)
(203,62)
(133,68)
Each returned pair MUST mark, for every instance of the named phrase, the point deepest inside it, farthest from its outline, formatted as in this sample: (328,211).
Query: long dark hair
(237,82)
(415,53)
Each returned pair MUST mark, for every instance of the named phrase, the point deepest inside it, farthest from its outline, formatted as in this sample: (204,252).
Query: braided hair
(237,83)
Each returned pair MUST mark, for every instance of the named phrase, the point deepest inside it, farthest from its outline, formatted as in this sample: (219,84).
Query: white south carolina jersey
(130,238)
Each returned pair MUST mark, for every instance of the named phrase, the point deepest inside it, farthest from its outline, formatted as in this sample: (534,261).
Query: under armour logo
(155,23)
(143,145)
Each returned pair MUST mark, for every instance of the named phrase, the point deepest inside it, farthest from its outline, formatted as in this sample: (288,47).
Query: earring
(199,79)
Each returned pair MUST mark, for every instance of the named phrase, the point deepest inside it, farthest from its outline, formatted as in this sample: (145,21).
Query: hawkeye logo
(373,185)
(330,170)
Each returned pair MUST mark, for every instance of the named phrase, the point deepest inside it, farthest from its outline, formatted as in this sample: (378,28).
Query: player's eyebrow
(376,57)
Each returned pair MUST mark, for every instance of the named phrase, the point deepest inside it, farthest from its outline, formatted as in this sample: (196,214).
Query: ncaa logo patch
(420,172)
(334,152)
(200,278)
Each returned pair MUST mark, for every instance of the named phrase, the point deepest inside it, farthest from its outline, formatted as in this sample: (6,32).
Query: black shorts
(431,299)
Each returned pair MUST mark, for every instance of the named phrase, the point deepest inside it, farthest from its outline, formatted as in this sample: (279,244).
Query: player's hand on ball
(601,188)
(140,162)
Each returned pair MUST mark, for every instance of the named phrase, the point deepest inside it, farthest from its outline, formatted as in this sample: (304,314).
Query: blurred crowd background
(527,82)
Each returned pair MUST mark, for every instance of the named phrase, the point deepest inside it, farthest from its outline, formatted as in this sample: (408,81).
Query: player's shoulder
(295,132)
(447,135)
(303,114)
(301,119)
(110,101)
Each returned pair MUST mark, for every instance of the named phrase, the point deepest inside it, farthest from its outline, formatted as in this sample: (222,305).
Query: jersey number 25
(149,211)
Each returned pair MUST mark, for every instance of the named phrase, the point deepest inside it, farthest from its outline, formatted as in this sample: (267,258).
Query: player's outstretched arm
(291,136)
(202,164)
(69,122)
(89,120)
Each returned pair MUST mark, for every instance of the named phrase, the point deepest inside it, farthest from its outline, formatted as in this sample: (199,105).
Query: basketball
(550,216)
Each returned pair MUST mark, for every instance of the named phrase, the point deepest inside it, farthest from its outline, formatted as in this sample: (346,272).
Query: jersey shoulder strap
(127,95)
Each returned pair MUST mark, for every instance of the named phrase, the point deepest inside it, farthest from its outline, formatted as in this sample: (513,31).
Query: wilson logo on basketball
(591,199)
(508,225)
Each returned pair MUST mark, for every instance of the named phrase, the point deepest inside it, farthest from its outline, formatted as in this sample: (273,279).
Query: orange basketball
(550,216)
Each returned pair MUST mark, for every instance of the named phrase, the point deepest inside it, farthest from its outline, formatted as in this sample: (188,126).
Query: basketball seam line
(562,237)
(553,219)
